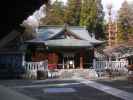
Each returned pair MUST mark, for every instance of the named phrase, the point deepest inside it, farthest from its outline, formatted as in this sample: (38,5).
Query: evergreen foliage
(72,12)
(125,22)
(92,16)
(55,15)
(87,13)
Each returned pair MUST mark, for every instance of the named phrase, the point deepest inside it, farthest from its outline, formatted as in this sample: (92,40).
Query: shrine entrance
(72,60)
(68,61)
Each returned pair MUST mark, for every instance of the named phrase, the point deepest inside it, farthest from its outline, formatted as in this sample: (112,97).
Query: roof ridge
(56,26)
(50,26)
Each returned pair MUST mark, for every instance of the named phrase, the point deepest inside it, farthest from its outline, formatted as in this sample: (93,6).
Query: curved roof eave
(96,42)
(68,43)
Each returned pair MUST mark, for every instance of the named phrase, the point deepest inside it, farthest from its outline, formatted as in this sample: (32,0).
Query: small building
(11,55)
(64,47)
(121,52)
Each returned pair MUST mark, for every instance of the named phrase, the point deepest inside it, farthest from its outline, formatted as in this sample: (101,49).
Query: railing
(31,68)
(35,66)
(110,65)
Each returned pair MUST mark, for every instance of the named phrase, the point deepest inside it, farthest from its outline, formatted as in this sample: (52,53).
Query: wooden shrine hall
(64,47)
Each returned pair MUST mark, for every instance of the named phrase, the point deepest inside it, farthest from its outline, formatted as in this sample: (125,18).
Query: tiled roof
(123,49)
(63,43)
(126,55)
(51,31)
(68,43)
(46,34)
(81,32)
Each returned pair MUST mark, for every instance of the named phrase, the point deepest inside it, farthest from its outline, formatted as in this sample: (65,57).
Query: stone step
(90,73)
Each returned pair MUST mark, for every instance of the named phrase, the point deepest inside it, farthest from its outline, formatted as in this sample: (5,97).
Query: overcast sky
(116,5)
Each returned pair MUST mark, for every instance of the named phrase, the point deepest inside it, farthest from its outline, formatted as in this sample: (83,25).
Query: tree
(125,22)
(72,12)
(55,15)
(92,16)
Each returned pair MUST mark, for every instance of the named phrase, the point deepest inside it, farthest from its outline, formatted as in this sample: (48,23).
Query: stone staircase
(78,73)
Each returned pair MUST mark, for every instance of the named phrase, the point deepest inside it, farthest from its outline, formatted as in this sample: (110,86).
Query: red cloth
(52,66)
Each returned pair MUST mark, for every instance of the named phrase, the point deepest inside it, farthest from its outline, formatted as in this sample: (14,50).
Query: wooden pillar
(63,63)
(73,62)
(73,65)
(67,63)
(23,59)
(81,61)
(94,63)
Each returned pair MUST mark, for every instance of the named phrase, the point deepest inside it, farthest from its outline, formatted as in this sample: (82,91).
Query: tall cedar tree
(92,16)
(125,22)
(55,15)
(72,12)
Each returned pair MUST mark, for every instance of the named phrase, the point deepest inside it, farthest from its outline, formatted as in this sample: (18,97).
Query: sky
(116,4)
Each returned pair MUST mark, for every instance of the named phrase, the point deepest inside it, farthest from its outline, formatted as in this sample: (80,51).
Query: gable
(61,32)
(65,34)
